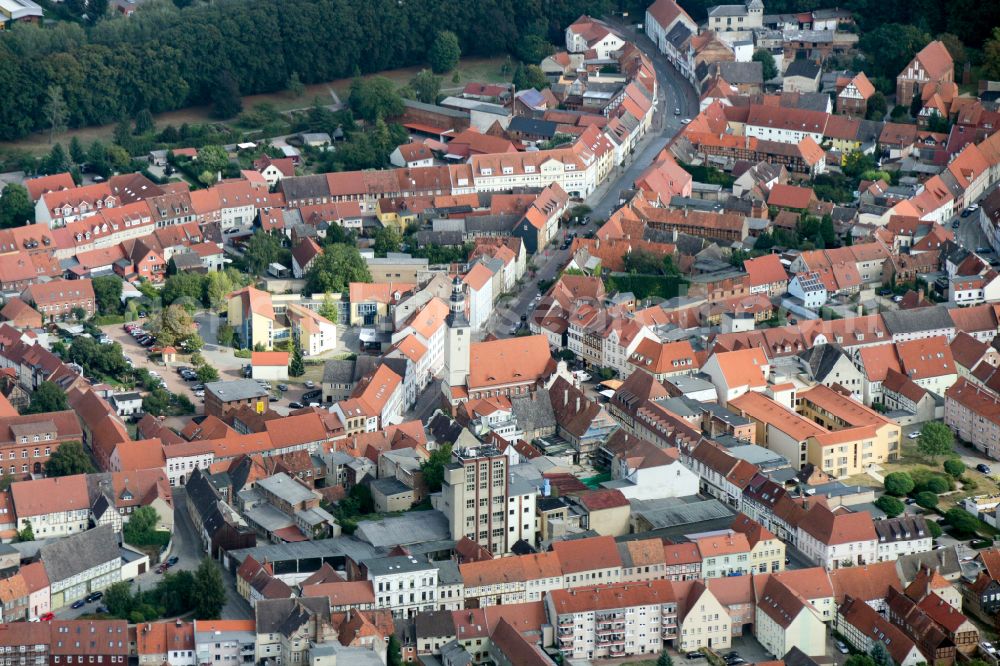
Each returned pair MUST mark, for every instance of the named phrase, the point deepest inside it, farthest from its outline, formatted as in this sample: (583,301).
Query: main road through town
(676,101)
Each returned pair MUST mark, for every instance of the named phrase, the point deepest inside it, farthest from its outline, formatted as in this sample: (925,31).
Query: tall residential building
(474,494)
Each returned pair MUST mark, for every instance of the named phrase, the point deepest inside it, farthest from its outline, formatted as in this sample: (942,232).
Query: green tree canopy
(108,294)
(991,56)
(764,57)
(433,467)
(387,239)
(173,326)
(898,483)
(445,52)
(375,97)
(208,593)
(890,505)
(961,521)
(954,466)
(936,439)
(328,309)
(296,368)
(15,207)
(226,100)
(927,499)
(261,251)
(69,459)
(335,269)
(426,86)
(48,397)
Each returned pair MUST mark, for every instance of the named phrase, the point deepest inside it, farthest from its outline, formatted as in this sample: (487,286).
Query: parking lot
(140,358)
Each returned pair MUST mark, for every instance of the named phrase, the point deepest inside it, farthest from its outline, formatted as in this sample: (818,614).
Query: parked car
(982,467)
(310,384)
(173,560)
(79,603)
(282,387)
(273,398)
(914,435)
(94,596)
(677,110)
(842,648)
(295,405)
(46,617)
(311,395)
(694,655)
(955,224)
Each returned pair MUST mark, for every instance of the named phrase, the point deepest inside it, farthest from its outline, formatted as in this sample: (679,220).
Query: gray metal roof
(338,371)
(390,486)
(236,389)
(675,513)
(403,530)
(283,486)
(387,566)
(728,10)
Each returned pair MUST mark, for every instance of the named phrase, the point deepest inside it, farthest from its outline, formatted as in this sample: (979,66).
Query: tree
(225,94)
(260,252)
(934,529)
(935,484)
(217,286)
(27,534)
(880,656)
(328,309)
(890,505)
(936,439)
(213,158)
(375,97)
(533,48)
(664,659)
(48,397)
(16,209)
(961,521)
(207,373)
(426,87)
(69,459)
(954,466)
(182,289)
(433,467)
(991,56)
(295,85)
(156,402)
(898,483)
(56,161)
(76,151)
(56,112)
(141,525)
(118,599)
(296,368)
(394,653)
(173,326)
(764,57)
(877,106)
(529,76)
(225,335)
(444,52)
(208,593)
(926,499)
(107,294)
(144,123)
(387,239)
(335,269)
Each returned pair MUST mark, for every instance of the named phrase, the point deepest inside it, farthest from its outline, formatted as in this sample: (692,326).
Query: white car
(914,435)
(582,376)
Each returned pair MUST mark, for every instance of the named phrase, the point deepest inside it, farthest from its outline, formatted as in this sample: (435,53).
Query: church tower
(459,338)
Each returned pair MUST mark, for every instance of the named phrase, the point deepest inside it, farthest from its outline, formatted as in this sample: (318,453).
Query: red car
(47,616)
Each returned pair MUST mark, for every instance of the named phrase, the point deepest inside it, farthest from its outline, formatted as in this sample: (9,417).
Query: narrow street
(674,93)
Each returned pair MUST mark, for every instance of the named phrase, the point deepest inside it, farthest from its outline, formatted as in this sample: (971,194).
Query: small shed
(269,365)
(169,355)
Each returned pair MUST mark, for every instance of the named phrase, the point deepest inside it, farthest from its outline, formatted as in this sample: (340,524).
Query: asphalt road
(187,547)
(674,93)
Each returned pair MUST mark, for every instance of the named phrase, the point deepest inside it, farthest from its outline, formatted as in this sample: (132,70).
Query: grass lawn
(487,70)
(912,462)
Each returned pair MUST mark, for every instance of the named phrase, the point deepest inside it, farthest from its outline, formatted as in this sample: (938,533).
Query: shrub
(927,500)
(935,484)
(934,529)
(968,483)
(890,505)
(898,483)
(954,467)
